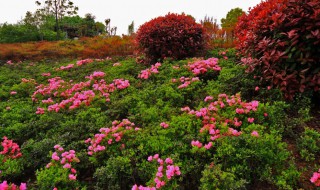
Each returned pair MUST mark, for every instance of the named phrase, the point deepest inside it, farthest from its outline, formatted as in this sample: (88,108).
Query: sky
(123,12)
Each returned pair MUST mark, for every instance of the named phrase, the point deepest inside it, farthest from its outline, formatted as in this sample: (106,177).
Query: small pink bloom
(256,88)
(255,134)
(13,92)
(72,177)
(250,119)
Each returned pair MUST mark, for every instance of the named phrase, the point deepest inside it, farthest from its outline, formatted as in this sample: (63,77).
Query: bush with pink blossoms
(166,170)
(203,66)
(10,155)
(11,186)
(315,179)
(145,74)
(73,95)
(60,172)
(108,136)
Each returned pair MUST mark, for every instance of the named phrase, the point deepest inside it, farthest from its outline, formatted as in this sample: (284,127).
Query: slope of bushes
(117,124)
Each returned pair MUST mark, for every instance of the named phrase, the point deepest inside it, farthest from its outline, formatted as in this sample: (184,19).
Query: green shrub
(309,144)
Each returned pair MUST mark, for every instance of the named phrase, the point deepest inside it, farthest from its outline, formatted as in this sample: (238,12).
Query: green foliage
(49,178)
(309,144)
(213,177)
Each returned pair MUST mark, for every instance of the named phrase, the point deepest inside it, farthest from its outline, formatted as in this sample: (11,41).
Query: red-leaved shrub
(281,38)
(176,36)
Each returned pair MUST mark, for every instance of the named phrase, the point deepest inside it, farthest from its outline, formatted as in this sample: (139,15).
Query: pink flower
(150,158)
(208,98)
(256,88)
(265,115)
(72,177)
(13,92)
(169,161)
(40,110)
(255,134)
(315,179)
(23,186)
(208,146)
(250,119)
(164,125)
(67,165)
(156,156)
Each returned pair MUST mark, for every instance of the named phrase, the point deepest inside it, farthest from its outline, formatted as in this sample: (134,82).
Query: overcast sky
(123,12)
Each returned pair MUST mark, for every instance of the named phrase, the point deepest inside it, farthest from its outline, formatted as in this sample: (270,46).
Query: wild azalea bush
(280,40)
(74,95)
(173,35)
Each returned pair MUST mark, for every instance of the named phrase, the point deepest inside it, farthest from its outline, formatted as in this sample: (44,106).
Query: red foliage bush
(173,35)
(283,37)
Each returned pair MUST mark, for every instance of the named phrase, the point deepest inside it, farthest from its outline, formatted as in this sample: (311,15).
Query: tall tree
(58,8)
(231,20)
(131,28)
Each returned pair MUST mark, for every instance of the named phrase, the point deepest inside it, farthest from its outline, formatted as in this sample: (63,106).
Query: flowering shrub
(109,135)
(218,124)
(5,186)
(74,95)
(10,150)
(60,172)
(173,35)
(315,179)
(282,38)
(186,81)
(161,179)
(202,66)
(145,74)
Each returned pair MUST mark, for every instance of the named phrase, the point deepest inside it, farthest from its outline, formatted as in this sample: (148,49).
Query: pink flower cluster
(164,125)
(80,63)
(46,74)
(84,62)
(113,134)
(161,177)
(65,159)
(202,66)
(74,95)
(5,186)
(66,67)
(145,74)
(9,62)
(315,179)
(213,117)
(10,149)
(186,81)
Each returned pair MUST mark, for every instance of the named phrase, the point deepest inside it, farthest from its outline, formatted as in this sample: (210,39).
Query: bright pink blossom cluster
(80,63)
(46,74)
(10,149)
(186,81)
(161,178)
(214,118)
(65,159)
(75,95)
(5,186)
(111,135)
(84,61)
(315,179)
(145,74)
(164,125)
(202,66)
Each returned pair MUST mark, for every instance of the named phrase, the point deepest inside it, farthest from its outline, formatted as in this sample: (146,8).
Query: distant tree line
(54,20)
